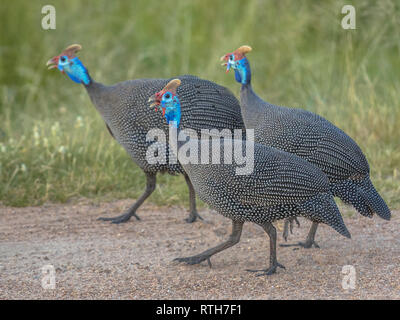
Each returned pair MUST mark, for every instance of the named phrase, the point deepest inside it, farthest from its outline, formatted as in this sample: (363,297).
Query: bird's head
(67,62)
(237,60)
(169,102)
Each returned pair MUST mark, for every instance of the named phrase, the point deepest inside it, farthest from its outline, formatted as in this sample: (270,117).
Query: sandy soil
(95,259)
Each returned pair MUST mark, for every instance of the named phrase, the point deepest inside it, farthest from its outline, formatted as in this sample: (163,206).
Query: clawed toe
(305,245)
(267,272)
(193,260)
(193,217)
(285,245)
(308,245)
(255,270)
(120,219)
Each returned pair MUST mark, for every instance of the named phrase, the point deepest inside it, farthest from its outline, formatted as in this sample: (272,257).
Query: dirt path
(95,259)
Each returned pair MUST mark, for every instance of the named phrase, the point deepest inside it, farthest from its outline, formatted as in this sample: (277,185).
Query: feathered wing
(278,178)
(314,139)
(204,104)
(125,109)
(208,105)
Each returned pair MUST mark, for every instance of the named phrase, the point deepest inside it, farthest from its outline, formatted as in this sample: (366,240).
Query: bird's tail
(322,208)
(363,196)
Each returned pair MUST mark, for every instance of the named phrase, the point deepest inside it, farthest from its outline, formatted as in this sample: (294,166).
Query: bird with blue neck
(123,107)
(69,64)
(280,185)
(238,62)
(311,137)
(169,102)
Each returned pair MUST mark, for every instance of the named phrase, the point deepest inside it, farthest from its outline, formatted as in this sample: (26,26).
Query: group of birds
(301,160)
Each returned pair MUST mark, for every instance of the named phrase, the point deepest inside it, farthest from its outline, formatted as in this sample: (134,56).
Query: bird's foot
(193,215)
(120,219)
(269,271)
(306,244)
(309,244)
(195,259)
(289,226)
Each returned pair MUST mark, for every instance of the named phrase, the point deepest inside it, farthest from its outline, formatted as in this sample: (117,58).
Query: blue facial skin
(242,69)
(172,107)
(74,69)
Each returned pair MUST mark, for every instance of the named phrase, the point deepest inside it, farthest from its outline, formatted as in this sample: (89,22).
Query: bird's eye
(231,57)
(167,96)
(62,59)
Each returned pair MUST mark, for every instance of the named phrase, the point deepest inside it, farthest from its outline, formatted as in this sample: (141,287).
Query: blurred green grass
(54,145)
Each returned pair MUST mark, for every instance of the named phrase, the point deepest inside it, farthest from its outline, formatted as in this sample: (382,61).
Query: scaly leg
(193,215)
(273,262)
(309,240)
(150,187)
(233,239)
(289,224)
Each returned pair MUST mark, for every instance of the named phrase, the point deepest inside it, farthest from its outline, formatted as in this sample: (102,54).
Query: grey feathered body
(281,185)
(125,109)
(321,143)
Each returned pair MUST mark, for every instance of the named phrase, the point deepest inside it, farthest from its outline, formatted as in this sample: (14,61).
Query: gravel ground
(99,260)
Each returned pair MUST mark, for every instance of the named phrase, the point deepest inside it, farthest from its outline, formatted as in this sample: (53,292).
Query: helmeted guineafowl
(124,109)
(311,137)
(280,185)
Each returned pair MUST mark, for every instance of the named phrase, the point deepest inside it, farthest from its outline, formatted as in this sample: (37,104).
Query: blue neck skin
(242,71)
(76,71)
(172,111)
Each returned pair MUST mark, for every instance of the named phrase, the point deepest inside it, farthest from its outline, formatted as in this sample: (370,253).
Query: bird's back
(307,135)
(125,109)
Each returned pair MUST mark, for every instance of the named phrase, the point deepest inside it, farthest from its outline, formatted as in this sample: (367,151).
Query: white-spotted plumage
(125,109)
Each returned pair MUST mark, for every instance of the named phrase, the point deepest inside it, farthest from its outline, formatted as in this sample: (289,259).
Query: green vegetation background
(55,147)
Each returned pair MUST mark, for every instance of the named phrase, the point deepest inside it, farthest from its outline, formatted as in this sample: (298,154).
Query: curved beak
(52,63)
(153,101)
(225,63)
(225,59)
